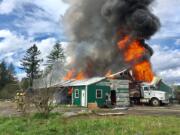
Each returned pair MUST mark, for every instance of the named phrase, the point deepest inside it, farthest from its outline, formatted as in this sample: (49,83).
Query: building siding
(121,88)
(92,94)
(164,87)
(122,92)
(122,97)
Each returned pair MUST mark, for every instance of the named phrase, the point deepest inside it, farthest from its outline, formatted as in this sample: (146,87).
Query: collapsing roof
(85,82)
(89,81)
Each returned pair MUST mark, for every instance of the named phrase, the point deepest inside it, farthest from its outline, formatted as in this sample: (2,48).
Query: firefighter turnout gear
(20,101)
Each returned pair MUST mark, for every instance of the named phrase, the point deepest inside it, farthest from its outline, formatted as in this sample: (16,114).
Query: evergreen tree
(11,69)
(3,74)
(24,83)
(31,63)
(11,73)
(57,54)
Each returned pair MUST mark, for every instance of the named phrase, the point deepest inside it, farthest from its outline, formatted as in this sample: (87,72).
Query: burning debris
(108,35)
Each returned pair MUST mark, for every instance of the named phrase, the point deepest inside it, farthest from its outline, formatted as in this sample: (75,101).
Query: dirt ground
(148,110)
(8,108)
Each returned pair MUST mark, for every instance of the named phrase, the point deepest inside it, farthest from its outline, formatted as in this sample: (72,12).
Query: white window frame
(101,93)
(76,90)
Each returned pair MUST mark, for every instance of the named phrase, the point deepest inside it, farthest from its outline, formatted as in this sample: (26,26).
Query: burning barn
(103,91)
(120,89)
(105,39)
(109,37)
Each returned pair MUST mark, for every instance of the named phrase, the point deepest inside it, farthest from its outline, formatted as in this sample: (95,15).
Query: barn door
(83,98)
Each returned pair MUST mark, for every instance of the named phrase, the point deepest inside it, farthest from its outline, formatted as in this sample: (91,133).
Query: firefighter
(20,101)
(17,100)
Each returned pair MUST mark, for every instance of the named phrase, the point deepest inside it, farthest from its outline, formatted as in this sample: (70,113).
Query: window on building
(98,93)
(76,93)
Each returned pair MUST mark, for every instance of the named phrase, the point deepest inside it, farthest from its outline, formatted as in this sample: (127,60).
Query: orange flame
(122,43)
(133,50)
(80,76)
(69,75)
(143,71)
(108,73)
(73,75)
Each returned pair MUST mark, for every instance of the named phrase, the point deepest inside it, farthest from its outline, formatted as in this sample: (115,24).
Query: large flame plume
(134,52)
(109,35)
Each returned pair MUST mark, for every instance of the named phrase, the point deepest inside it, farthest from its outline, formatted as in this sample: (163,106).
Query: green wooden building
(98,90)
(162,86)
(89,91)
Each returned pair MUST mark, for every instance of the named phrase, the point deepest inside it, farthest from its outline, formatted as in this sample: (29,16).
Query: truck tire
(155,102)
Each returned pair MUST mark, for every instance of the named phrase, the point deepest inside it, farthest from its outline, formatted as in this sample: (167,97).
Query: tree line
(7,74)
(32,61)
(31,64)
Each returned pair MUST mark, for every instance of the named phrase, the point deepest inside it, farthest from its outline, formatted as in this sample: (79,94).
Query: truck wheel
(155,102)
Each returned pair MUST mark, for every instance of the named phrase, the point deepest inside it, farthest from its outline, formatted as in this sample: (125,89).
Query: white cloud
(7,6)
(20,76)
(35,26)
(54,8)
(168,13)
(12,46)
(177,42)
(12,42)
(44,17)
(166,63)
(171,74)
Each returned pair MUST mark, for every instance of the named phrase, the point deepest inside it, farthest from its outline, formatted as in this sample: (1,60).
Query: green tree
(24,83)
(11,73)
(3,74)
(56,55)
(11,68)
(31,63)
(7,74)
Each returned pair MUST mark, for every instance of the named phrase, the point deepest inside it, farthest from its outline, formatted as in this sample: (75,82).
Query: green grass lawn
(90,125)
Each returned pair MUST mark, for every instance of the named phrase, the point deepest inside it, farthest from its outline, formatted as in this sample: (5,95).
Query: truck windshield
(152,88)
(146,88)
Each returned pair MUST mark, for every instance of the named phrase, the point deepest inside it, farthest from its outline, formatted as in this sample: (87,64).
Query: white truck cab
(149,94)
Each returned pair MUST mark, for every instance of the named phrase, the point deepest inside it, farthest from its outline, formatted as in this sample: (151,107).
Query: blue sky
(25,22)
